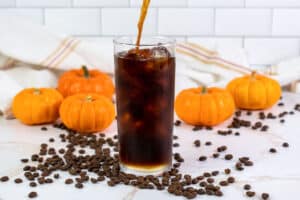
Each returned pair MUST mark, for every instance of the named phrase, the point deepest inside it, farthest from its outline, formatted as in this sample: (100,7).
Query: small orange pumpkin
(204,106)
(87,113)
(37,106)
(85,81)
(254,92)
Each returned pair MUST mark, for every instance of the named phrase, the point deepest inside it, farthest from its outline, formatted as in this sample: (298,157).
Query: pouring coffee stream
(144,10)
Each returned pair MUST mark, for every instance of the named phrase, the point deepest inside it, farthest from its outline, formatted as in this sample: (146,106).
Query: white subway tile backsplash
(215,42)
(102,3)
(33,15)
(161,3)
(74,21)
(270,50)
(239,22)
(272,3)
(43,3)
(286,22)
(215,3)
(183,21)
(123,21)
(7,3)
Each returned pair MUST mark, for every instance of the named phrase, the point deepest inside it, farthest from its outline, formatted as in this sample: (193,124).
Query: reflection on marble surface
(277,174)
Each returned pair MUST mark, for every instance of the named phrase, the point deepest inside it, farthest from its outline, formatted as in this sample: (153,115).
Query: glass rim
(164,41)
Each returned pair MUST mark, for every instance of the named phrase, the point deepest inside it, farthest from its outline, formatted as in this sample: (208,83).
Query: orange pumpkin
(201,106)
(87,113)
(37,106)
(85,81)
(254,92)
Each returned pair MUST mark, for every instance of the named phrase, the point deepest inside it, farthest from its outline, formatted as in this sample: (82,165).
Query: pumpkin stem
(204,90)
(253,73)
(36,91)
(85,70)
(89,98)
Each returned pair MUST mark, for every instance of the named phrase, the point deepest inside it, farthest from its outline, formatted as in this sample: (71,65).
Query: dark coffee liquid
(145,99)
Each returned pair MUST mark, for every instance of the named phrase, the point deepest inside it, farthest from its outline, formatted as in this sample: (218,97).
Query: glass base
(155,171)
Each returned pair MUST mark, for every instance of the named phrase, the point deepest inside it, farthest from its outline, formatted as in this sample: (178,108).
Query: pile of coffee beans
(94,159)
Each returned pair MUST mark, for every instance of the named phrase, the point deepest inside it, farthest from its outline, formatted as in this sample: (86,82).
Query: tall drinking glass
(144,78)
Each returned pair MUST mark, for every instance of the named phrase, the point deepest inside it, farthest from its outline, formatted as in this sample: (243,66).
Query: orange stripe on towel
(66,53)
(57,49)
(206,61)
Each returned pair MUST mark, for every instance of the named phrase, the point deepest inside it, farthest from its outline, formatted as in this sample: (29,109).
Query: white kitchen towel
(36,45)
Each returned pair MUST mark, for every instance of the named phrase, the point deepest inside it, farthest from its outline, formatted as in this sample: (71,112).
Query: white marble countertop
(278,174)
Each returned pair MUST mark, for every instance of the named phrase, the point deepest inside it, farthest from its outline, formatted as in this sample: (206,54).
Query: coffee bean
(250,194)
(248,163)
(18,180)
(4,179)
(24,160)
(208,143)
(285,144)
(56,176)
(249,113)
(51,140)
(247,187)
(227,171)
(228,157)
(197,128)
(282,121)
(202,158)
(94,180)
(272,150)
(223,183)
(219,193)
(215,173)
(216,155)
(32,184)
(265,196)
(222,148)
(69,181)
(210,180)
(239,166)
(197,143)
(44,128)
(32,195)
(280,104)
(231,179)
(176,145)
(237,134)
(177,123)
(175,137)
(79,185)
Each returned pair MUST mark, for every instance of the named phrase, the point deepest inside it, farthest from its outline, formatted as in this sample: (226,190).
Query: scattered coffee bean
(79,185)
(44,128)
(222,148)
(228,157)
(56,176)
(227,171)
(237,134)
(202,158)
(231,179)
(250,193)
(51,140)
(215,173)
(18,180)
(272,150)
(197,143)
(4,179)
(285,144)
(208,143)
(216,155)
(265,196)
(175,137)
(24,160)
(177,123)
(247,187)
(176,145)
(32,184)
(197,128)
(32,195)
(282,121)
(69,181)
(223,183)
(280,104)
